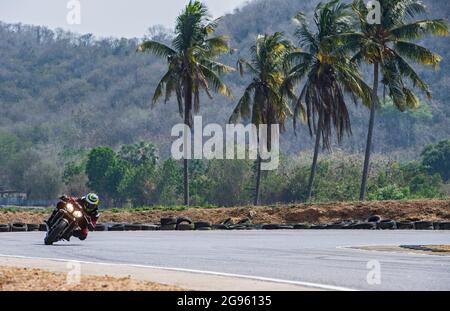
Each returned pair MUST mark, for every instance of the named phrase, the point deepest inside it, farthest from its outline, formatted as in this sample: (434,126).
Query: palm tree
(262,99)
(328,75)
(389,46)
(193,66)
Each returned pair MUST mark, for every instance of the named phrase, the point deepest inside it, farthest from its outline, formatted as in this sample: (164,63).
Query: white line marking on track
(223,274)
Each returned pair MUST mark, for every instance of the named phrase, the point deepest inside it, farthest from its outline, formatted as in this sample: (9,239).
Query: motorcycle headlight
(70,208)
(78,214)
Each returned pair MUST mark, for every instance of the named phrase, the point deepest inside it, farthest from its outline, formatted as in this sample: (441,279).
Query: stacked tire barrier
(19,227)
(187,224)
(32,227)
(132,227)
(116,227)
(168,224)
(43,228)
(5,228)
(101,227)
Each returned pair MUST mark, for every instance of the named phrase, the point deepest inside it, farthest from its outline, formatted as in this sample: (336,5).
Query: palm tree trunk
(373,109)
(258,181)
(312,176)
(187,122)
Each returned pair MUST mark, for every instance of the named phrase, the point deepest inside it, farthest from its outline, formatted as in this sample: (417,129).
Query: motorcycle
(69,217)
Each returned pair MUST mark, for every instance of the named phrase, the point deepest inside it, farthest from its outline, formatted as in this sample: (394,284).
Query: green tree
(139,184)
(420,182)
(227,183)
(99,161)
(193,66)
(114,176)
(170,177)
(105,172)
(42,181)
(328,75)
(388,46)
(263,100)
(437,159)
(141,153)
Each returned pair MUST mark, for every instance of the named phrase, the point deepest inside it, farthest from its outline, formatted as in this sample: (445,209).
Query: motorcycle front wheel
(55,232)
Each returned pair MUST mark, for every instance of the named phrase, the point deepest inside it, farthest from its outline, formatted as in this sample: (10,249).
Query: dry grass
(23,279)
(436,249)
(439,248)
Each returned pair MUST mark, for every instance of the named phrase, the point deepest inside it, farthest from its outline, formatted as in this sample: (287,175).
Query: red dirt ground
(430,210)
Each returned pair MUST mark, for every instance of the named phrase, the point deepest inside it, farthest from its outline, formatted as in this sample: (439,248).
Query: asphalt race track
(319,257)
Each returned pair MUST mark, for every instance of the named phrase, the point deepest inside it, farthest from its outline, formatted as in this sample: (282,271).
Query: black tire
(405,225)
(318,227)
(168,221)
(204,229)
(286,227)
(53,235)
(302,227)
(181,220)
(423,225)
(444,226)
(227,222)
(245,221)
(364,226)
(241,227)
(220,227)
(374,218)
(202,224)
(185,227)
(349,224)
(132,227)
(168,227)
(101,227)
(387,225)
(116,227)
(19,227)
(5,228)
(338,226)
(271,227)
(32,227)
(150,227)
(43,227)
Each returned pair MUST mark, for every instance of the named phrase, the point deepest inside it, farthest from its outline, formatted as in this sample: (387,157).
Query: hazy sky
(127,18)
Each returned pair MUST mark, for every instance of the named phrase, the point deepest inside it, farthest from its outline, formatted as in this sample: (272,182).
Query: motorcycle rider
(90,204)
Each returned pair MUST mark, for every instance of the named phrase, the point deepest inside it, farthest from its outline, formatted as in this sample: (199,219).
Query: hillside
(61,93)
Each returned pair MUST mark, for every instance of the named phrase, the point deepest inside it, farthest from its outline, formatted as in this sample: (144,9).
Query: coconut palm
(263,101)
(192,66)
(389,46)
(328,75)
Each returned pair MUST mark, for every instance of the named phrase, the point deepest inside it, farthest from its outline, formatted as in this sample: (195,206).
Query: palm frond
(418,29)
(242,65)
(157,48)
(408,8)
(215,82)
(243,109)
(217,66)
(417,53)
(159,91)
(217,45)
(408,71)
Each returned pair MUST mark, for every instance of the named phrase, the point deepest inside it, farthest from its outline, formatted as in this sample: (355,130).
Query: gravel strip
(24,279)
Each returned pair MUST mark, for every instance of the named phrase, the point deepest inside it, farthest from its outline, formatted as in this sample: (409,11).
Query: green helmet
(92,201)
